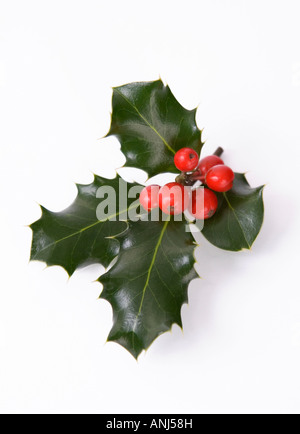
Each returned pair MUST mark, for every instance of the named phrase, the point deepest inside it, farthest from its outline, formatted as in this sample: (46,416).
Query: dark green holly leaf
(76,237)
(152,126)
(239,218)
(148,284)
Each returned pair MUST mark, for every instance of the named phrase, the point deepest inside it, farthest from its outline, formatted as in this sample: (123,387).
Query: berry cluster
(174,198)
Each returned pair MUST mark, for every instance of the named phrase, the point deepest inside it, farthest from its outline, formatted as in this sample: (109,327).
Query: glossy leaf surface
(151,126)
(148,284)
(239,218)
(75,237)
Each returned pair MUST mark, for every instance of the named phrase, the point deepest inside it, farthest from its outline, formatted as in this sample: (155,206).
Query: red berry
(174,198)
(186,159)
(204,203)
(206,164)
(149,197)
(220,178)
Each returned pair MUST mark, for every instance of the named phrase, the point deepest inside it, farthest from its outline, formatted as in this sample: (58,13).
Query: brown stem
(184,179)
(219,151)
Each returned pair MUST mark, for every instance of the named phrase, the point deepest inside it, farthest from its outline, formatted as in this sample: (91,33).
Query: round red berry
(206,164)
(186,159)
(149,197)
(174,198)
(220,178)
(204,203)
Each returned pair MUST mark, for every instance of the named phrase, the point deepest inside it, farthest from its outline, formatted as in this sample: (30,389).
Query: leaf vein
(158,245)
(83,230)
(236,217)
(146,121)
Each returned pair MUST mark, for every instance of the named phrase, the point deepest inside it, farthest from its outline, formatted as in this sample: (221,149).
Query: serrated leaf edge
(194,111)
(180,325)
(257,189)
(146,121)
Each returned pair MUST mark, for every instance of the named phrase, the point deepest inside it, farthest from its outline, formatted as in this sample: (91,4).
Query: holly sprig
(151,262)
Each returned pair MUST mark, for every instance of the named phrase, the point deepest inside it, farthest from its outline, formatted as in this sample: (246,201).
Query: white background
(240,62)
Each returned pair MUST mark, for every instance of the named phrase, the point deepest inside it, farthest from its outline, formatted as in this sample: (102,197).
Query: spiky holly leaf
(76,237)
(152,126)
(148,284)
(239,218)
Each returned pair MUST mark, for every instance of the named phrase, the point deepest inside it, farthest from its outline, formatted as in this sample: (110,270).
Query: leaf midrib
(84,229)
(146,121)
(236,217)
(151,267)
